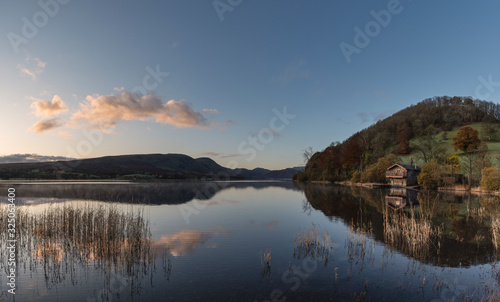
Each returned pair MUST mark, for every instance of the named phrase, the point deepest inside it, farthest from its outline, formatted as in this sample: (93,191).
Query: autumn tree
(490,178)
(432,175)
(466,140)
(376,171)
(453,164)
(403,139)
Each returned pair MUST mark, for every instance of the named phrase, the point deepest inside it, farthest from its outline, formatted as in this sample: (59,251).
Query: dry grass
(495,231)
(64,237)
(265,262)
(312,244)
(412,233)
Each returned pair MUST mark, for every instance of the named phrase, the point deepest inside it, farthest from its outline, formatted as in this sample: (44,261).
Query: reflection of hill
(466,239)
(168,192)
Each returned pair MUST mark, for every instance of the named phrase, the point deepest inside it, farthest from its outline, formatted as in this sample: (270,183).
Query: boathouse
(402,175)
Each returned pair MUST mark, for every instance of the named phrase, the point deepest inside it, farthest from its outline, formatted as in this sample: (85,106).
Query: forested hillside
(412,130)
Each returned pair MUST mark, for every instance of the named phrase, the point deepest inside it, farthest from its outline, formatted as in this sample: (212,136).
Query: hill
(400,133)
(138,166)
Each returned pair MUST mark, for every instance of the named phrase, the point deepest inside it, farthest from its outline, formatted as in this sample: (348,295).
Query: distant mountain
(158,166)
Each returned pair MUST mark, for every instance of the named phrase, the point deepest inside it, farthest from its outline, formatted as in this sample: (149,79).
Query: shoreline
(457,189)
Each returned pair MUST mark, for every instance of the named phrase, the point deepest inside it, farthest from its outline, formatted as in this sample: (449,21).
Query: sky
(246,83)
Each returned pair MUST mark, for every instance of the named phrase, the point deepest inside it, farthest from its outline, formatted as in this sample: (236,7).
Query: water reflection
(399,198)
(445,229)
(184,242)
(356,244)
(166,192)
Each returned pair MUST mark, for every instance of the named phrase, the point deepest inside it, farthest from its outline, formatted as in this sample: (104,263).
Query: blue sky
(85,67)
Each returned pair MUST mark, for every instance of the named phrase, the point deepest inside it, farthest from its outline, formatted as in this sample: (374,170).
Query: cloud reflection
(186,241)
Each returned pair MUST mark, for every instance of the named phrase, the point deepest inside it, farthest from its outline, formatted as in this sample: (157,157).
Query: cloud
(46,125)
(210,111)
(30,157)
(219,154)
(32,68)
(211,154)
(104,112)
(45,108)
(294,71)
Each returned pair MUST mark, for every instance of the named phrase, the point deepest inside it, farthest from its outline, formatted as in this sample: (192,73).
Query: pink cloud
(45,108)
(46,125)
(103,112)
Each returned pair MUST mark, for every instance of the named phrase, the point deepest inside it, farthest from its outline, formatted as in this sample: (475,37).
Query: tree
(466,140)
(453,164)
(490,178)
(376,172)
(308,153)
(432,175)
(356,177)
(403,139)
(474,161)
(488,131)
(427,146)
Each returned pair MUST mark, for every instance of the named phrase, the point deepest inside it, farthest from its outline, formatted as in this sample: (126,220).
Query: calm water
(195,241)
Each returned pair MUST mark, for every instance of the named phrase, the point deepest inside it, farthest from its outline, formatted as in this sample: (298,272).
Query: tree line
(380,144)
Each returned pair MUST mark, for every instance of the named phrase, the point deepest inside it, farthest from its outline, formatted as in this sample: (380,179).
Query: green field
(493,146)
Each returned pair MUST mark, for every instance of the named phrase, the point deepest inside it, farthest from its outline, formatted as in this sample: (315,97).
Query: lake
(246,241)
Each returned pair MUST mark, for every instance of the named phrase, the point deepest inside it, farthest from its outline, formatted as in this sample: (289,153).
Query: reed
(495,232)
(64,237)
(265,262)
(411,232)
(312,244)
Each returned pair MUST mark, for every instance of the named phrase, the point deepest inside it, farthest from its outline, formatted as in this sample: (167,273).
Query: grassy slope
(493,146)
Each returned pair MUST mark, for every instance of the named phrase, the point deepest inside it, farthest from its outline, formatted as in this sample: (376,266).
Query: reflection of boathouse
(399,198)
(402,175)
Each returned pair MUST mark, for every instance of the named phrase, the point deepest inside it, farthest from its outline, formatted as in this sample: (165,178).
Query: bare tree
(308,153)
(427,146)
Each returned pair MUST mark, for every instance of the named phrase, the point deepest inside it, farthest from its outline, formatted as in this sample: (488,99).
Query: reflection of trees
(463,220)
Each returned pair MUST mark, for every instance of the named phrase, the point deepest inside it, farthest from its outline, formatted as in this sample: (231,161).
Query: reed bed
(312,244)
(64,238)
(412,233)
